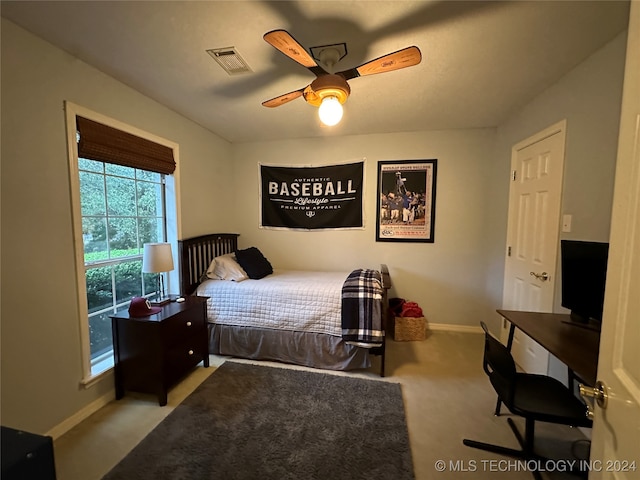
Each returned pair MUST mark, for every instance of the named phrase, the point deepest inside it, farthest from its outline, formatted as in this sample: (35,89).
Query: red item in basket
(411,309)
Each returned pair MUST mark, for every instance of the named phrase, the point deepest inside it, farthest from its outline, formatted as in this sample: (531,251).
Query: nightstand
(153,353)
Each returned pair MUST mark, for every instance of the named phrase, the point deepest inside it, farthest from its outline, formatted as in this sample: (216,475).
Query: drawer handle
(188,324)
(190,352)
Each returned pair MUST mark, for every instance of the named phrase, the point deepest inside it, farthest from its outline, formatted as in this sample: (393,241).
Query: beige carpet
(447,398)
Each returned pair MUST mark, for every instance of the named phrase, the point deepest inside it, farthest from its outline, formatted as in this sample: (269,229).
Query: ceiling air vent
(230,60)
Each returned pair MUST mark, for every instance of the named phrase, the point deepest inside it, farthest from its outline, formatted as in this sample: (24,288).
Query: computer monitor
(584,273)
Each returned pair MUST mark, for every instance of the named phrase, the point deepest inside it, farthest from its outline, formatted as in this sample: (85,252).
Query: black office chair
(534,397)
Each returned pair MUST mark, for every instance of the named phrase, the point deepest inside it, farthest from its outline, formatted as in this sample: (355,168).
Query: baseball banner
(310,198)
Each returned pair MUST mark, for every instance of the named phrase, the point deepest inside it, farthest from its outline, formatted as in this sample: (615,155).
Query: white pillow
(225,267)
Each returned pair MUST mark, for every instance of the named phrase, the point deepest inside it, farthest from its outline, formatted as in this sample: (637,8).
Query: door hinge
(514,175)
(508,251)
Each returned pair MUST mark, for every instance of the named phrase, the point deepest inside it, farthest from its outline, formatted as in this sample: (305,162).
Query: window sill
(102,366)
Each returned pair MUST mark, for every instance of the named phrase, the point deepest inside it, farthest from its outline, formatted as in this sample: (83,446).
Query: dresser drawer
(183,325)
(183,356)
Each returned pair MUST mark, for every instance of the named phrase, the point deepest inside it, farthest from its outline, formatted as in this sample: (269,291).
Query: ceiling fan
(330,90)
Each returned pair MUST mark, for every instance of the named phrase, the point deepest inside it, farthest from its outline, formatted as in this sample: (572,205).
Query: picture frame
(406,200)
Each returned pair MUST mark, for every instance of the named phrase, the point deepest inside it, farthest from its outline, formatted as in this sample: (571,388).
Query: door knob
(599,393)
(543,277)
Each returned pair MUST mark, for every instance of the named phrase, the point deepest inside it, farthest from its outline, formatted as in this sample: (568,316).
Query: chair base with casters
(533,397)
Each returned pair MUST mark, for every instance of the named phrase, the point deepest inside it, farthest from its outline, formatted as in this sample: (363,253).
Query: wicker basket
(409,328)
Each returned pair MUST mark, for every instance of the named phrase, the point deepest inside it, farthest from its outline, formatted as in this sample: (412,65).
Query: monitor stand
(579,321)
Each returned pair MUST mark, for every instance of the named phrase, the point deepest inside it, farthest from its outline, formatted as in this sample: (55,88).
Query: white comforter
(287,299)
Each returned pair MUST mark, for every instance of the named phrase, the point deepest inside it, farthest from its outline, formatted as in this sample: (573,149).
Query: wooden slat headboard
(196,254)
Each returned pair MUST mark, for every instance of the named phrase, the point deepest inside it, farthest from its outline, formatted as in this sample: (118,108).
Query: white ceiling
(481,61)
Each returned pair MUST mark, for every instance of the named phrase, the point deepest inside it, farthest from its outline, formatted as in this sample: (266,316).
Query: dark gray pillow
(254,263)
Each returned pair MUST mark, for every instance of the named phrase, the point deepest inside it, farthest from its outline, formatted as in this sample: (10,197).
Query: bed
(287,316)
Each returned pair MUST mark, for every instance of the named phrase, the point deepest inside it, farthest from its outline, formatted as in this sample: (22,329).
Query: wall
(446,277)
(41,367)
(589,97)
(457,280)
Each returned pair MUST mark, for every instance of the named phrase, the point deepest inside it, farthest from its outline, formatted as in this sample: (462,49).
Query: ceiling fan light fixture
(327,86)
(330,111)
(328,92)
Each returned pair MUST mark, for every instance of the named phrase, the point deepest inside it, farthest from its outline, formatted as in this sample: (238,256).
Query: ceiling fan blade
(282,99)
(283,41)
(407,57)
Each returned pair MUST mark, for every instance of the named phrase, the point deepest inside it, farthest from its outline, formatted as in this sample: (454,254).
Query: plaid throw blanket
(362,308)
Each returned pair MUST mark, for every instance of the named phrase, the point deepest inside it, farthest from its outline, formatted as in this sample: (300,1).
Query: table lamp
(157,258)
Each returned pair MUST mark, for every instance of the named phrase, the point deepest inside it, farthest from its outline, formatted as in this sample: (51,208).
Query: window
(122,208)
(124,195)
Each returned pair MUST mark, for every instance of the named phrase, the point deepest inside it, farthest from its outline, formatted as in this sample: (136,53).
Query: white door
(615,449)
(532,245)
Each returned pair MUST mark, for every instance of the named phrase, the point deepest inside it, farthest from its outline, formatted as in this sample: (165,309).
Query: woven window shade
(107,144)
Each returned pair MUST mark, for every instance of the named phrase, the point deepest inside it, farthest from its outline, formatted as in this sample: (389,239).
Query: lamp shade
(157,257)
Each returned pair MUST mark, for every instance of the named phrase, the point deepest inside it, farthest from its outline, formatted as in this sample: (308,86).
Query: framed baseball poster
(406,200)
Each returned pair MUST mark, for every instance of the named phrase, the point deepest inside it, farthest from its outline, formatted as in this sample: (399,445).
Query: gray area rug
(256,422)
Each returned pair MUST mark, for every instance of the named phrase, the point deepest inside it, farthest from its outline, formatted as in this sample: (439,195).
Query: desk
(576,347)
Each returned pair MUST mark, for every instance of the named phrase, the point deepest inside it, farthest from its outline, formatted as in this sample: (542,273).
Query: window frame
(172,198)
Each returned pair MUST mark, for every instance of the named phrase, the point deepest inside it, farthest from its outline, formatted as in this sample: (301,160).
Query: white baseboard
(80,415)
(454,328)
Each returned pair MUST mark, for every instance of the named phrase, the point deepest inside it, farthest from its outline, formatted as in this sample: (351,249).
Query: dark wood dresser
(153,353)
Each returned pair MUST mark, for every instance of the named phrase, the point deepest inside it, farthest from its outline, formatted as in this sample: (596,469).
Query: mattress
(289,300)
